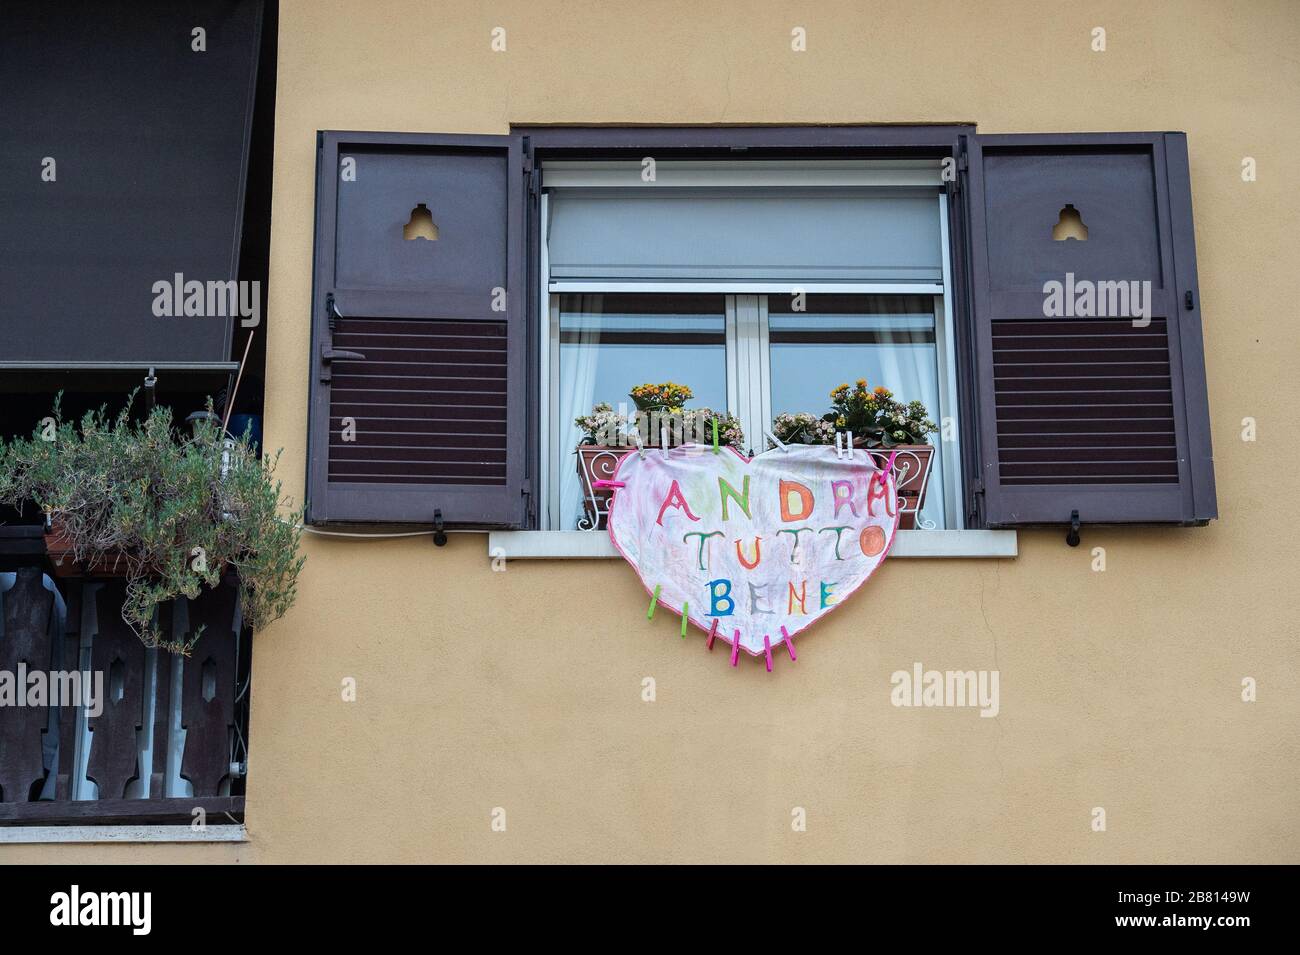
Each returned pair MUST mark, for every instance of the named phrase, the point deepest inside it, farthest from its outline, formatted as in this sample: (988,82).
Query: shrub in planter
(608,434)
(169,512)
(668,396)
(876,418)
(803,428)
(880,424)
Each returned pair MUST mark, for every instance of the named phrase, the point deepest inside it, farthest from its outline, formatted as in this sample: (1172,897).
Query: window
(624,270)
(553,278)
(609,342)
(894,340)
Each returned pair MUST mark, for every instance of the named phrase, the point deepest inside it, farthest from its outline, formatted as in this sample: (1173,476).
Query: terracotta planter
(913,467)
(59,549)
(596,463)
(109,565)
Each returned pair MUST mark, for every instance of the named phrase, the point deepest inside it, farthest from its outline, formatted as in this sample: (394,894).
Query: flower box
(58,546)
(912,465)
(596,462)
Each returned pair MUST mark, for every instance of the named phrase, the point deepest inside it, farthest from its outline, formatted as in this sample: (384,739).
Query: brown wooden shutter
(418,342)
(1104,415)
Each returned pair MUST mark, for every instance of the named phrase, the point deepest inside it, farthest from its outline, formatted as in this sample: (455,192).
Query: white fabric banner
(763,547)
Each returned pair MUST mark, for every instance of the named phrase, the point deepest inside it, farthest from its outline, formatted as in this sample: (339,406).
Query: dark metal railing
(97,728)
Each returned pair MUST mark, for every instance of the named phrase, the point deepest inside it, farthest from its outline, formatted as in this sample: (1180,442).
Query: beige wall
(522,689)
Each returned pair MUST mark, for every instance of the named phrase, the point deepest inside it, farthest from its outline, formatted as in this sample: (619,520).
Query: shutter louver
(1084,402)
(418,342)
(1084,406)
(429,402)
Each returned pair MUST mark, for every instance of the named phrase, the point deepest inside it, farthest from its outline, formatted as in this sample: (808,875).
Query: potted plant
(879,423)
(803,428)
(668,397)
(608,434)
(169,512)
(604,441)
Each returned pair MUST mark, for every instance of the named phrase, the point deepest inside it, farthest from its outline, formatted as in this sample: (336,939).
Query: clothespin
(789,643)
(767,651)
(777,441)
(713,632)
(686,609)
(839,445)
(849,445)
(715,440)
(663,439)
(654,600)
(735,648)
(640,445)
(883,474)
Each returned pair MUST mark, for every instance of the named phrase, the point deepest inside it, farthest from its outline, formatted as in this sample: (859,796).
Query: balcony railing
(122,733)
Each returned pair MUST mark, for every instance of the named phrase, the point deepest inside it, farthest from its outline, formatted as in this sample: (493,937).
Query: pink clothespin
(767,651)
(713,632)
(789,643)
(735,648)
(883,473)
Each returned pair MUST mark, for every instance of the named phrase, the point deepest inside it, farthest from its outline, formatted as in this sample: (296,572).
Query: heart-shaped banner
(752,550)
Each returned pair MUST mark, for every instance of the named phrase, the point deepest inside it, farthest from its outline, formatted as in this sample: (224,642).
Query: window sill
(588,545)
(19,835)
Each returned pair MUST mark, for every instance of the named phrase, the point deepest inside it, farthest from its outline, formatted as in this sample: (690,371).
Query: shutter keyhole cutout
(421,225)
(116,680)
(209,681)
(1069,225)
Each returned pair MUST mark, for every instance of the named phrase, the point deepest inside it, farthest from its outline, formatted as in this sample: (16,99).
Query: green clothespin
(686,608)
(715,435)
(654,599)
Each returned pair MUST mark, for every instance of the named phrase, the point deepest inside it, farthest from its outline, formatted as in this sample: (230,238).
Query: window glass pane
(610,343)
(887,339)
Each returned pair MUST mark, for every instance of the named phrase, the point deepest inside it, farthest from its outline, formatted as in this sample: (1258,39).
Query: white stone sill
(587,545)
(101,834)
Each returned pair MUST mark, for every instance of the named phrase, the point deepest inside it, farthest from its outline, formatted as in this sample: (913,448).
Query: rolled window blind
(795,234)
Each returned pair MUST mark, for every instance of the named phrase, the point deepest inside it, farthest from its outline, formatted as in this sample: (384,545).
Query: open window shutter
(417,364)
(1100,414)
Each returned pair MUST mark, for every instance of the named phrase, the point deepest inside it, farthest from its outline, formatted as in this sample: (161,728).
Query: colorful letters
(718,597)
(802,597)
(805,496)
(842,493)
(674,499)
(758,554)
(727,491)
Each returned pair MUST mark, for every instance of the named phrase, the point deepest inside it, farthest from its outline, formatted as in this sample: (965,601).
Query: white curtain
(577,394)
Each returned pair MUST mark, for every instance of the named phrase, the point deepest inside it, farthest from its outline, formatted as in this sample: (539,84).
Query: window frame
(747,344)
(943,142)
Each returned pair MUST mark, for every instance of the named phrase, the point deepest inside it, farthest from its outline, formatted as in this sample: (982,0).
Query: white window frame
(748,356)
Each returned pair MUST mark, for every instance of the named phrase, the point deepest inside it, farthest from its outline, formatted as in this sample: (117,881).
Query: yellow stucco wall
(523,689)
